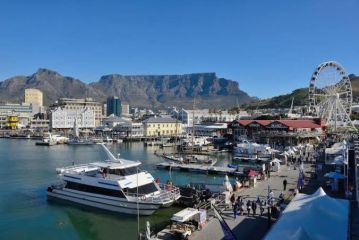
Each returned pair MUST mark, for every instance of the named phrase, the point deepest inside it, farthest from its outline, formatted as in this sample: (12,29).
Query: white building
(39,123)
(205,115)
(64,119)
(34,97)
(125,110)
(210,130)
(130,129)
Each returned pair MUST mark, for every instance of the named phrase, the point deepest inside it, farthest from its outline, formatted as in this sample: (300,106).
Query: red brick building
(278,131)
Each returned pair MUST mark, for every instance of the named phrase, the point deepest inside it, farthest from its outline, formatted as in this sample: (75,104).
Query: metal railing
(165,195)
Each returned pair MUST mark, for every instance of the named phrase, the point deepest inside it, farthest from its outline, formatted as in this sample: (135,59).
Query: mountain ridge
(138,90)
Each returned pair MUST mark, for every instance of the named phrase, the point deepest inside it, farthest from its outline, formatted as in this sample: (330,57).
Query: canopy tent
(334,175)
(315,216)
(335,154)
(276,160)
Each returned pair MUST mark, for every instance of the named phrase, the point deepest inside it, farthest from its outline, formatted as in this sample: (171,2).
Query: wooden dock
(207,169)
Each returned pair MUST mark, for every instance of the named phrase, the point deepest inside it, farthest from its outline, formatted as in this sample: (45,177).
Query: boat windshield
(142,190)
(124,171)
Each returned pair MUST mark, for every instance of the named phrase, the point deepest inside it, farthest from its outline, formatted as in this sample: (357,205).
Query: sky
(268,47)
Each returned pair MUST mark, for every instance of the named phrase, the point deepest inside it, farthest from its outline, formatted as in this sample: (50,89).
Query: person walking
(249,207)
(235,210)
(241,207)
(261,207)
(233,199)
(239,199)
(254,207)
(285,184)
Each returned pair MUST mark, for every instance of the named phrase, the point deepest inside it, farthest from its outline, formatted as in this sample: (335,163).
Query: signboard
(254,125)
(277,125)
(236,125)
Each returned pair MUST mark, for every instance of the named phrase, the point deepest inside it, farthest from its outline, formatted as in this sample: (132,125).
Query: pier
(254,226)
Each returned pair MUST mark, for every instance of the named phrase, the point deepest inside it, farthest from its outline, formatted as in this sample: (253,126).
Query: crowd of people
(248,207)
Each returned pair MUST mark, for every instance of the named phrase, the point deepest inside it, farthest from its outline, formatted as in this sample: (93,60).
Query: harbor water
(27,170)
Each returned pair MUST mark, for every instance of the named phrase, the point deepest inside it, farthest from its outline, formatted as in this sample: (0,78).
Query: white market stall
(335,154)
(275,163)
(315,216)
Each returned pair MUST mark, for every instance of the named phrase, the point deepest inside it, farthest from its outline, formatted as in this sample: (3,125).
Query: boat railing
(167,193)
(75,168)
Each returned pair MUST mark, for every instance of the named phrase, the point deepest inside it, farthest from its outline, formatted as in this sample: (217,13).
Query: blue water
(27,170)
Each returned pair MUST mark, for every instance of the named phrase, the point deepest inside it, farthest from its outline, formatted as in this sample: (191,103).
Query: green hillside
(300,97)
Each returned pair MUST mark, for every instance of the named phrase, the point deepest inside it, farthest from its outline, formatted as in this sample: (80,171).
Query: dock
(254,226)
(207,169)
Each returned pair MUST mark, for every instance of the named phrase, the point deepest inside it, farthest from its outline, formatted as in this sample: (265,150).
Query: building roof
(161,120)
(300,123)
(294,124)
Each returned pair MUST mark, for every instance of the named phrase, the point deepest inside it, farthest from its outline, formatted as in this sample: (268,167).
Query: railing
(164,196)
(75,167)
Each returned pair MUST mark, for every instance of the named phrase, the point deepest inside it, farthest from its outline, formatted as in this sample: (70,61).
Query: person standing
(254,207)
(233,199)
(285,184)
(261,207)
(235,210)
(249,207)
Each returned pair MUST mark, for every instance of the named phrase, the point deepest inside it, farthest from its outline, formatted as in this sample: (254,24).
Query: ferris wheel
(330,94)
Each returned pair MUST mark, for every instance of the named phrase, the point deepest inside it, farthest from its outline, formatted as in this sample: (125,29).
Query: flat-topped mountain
(207,89)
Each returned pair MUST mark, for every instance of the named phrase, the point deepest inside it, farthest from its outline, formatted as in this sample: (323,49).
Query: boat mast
(194,103)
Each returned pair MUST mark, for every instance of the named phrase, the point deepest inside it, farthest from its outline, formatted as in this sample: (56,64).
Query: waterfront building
(157,126)
(61,118)
(74,104)
(125,110)
(278,131)
(207,115)
(34,97)
(39,123)
(209,129)
(104,110)
(12,121)
(3,121)
(112,121)
(21,111)
(130,129)
(113,106)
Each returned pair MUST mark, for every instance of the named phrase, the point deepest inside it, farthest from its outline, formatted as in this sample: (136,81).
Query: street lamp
(346,161)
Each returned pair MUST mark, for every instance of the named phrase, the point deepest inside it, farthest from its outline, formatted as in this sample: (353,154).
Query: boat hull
(105,204)
(45,143)
(80,143)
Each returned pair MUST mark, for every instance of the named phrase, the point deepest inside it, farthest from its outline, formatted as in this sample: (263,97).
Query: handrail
(160,197)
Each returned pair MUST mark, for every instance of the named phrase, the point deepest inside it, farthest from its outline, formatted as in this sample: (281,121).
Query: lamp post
(138,210)
(346,168)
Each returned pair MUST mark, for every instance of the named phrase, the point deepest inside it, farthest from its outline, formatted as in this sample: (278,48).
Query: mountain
(207,89)
(300,97)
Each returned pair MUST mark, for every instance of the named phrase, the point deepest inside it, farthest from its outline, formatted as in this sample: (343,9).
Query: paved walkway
(252,227)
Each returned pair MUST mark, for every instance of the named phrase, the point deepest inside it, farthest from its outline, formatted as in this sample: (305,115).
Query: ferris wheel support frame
(332,108)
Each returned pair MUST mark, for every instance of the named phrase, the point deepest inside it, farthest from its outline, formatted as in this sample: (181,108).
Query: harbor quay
(254,226)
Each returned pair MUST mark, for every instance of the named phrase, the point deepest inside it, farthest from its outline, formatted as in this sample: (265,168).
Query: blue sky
(269,47)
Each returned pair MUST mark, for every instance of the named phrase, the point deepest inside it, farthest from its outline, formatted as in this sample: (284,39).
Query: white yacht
(116,185)
(246,149)
(195,141)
